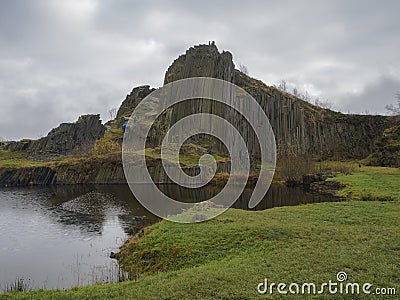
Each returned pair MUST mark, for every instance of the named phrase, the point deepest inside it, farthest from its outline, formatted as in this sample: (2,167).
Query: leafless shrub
(292,165)
(394,110)
(334,167)
(243,69)
(112,113)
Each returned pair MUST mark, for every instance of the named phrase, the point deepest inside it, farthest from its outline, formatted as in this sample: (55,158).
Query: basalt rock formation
(298,125)
(62,140)
(132,100)
(202,61)
(387,153)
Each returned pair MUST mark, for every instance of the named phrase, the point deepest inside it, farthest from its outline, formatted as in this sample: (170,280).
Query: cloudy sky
(60,59)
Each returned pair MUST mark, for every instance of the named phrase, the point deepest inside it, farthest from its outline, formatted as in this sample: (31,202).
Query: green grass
(368,183)
(114,133)
(15,159)
(188,159)
(227,257)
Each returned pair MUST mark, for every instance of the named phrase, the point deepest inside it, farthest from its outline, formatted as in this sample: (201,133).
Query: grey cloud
(373,98)
(60,59)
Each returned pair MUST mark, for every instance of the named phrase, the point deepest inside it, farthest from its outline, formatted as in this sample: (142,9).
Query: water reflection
(59,237)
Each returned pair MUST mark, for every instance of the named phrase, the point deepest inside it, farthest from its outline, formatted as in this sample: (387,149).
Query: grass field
(371,183)
(15,159)
(227,257)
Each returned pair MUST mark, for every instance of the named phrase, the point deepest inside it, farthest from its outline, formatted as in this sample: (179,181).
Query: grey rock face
(132,100)
(297,124)
(27,176)
(202,61)
(67,137)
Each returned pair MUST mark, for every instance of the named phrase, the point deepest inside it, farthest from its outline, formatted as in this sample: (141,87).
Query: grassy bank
(371,183)
(16,159)
(227,257)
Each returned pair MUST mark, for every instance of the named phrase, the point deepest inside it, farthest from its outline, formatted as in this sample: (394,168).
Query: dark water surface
(59,237)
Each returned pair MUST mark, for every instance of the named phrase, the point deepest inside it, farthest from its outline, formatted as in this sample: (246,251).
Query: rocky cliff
(297,124)
(320,133)
(323,133)
(387,152)
(202,61)
(63,140)
(132,100)
(100,170)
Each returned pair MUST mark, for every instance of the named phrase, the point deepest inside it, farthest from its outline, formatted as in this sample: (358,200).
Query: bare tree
(282,85)
(306,97)
(323,103)
(394,110)
(112,113)
(243,69)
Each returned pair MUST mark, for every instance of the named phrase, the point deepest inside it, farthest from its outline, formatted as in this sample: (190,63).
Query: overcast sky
(61,59)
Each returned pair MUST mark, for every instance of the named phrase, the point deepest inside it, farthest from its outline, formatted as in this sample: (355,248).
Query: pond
(62,236)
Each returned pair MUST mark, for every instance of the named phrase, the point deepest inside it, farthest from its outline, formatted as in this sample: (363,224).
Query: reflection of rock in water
(93,203)
(88,206)
(189,195)
(64,193)
(89,211)
(280,195)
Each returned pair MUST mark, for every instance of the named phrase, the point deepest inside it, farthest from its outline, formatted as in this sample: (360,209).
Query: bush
(292,165)
(334,167)
(105,147)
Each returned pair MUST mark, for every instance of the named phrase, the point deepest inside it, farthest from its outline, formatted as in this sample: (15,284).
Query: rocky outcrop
(87,171)
(297,124)
(202,61)
(311,130)
(326,187)
(84,171)
(114,128)
(68,137)
(132,100)
(22,145)
(311,178)
(63,140)
(387,153)
(27,176)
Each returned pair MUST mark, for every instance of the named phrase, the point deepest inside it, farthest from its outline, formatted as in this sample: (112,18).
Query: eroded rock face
(198,61)
(312,130)
(132,100)
(202,61)
(22,145)
(27,176)
(306,128)
(297,124)
(67,137)
(387,153)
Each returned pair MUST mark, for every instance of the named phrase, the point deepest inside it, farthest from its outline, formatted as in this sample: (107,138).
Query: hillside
(66,154)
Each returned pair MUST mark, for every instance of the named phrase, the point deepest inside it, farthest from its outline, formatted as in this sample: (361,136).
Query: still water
(60,237)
